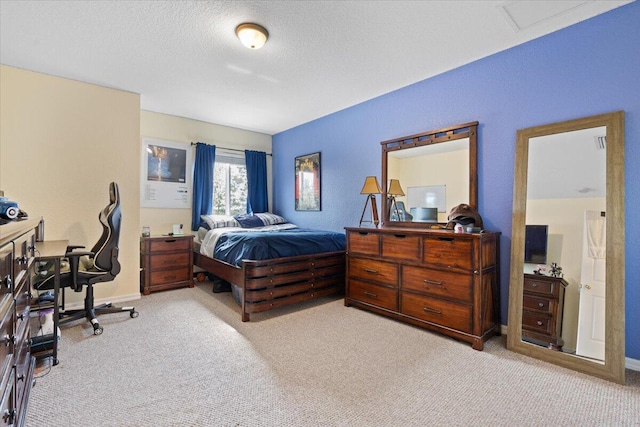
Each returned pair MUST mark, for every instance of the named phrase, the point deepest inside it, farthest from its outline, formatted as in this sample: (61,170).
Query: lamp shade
(252,36)
(395,189)
(371,186)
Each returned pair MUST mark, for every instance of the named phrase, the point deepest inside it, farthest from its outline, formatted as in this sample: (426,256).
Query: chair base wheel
(134,314)
(97,329)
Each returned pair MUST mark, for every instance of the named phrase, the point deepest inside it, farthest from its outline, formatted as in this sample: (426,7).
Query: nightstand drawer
(540,286)
(169,244)
(170,276)
(373,294)
(540,304)
(536,322)
(440,283)
(169,260)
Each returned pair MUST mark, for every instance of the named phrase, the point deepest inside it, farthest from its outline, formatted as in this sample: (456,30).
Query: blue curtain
(202,182)
(257,197)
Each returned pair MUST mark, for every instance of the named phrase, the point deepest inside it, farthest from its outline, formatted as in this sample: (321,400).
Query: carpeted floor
(188,360)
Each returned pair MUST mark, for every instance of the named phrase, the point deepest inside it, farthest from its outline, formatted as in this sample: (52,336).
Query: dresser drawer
(449,252)
(6,260)
(536,322)
(401,246)
(445,313)
(169,244)
(169,260)
(379,271)
(538,303)
(540,286)
(6,334)
(373,294)
(363,242)
(440,283)
(170,276)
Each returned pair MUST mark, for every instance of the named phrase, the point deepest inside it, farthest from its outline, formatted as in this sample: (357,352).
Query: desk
(52,250)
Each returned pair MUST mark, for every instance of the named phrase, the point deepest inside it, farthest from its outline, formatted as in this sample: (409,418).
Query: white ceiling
(322,56)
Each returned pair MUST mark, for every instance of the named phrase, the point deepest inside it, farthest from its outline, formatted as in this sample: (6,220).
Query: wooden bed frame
(280,282)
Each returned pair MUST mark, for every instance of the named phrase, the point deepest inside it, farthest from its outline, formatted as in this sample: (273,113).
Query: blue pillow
(249,221)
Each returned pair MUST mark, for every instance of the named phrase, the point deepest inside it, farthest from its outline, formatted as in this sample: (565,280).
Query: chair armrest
(74,263)
(72,247)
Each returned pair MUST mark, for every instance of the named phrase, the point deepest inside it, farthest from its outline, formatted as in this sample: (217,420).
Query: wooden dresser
(542,304)
(439,280)
(166,262)
(17,243)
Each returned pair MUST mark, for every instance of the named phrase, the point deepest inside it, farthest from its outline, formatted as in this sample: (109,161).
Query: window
(229,186)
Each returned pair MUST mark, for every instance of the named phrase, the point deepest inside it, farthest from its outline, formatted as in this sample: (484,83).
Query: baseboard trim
(115,300)
(633,364)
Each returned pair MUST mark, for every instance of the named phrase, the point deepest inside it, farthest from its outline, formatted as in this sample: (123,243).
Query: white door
(591,318)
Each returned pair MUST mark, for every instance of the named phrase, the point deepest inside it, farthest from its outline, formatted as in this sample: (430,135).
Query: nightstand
(166,262)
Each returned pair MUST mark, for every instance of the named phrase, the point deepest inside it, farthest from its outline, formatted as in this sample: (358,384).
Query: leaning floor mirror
(566,293)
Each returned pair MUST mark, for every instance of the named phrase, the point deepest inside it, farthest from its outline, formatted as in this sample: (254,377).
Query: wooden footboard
(280,282)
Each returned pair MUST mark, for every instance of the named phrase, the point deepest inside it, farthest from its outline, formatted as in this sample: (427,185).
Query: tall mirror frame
(613,367)
(439,136)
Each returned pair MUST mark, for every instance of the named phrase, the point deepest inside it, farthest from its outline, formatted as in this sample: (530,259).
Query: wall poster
(165,174)
(307,168)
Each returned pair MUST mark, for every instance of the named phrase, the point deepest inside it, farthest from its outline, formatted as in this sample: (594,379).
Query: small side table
(166,262)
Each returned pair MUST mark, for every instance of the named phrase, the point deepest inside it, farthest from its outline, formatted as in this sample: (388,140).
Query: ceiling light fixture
(252,36)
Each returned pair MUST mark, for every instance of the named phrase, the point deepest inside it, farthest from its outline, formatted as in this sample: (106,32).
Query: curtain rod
(224,148)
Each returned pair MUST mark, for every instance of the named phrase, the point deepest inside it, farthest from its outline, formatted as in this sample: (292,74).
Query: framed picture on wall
(307,182)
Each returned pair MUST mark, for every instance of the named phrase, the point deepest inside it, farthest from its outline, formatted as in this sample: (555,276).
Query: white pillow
(219,221)
(271,219)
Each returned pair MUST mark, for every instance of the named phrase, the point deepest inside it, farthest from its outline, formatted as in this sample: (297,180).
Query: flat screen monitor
(535,244)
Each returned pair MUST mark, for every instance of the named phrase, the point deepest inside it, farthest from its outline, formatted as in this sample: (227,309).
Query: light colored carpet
(188,360)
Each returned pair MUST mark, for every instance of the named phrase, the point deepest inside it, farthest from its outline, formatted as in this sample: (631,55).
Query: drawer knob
(534,285)
(7,282)
(372,295)
(431,282)
(430,310)
(539,322)
(368,270)
(540,304)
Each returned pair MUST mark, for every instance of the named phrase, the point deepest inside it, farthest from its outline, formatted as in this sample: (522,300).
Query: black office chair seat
(86,268)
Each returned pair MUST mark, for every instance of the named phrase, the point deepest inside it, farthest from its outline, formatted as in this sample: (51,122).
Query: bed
(269,262)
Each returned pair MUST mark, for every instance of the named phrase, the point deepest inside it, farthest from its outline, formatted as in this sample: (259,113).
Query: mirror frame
(613,368)
(439,136)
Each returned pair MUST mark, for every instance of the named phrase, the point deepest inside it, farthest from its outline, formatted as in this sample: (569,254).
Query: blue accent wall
(590,68)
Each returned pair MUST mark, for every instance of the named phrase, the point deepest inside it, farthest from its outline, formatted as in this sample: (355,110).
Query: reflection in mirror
(566,296)
(425,175)
(565,229)
(435,178)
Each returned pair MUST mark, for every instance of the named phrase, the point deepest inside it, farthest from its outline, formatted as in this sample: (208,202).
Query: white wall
(61,143)
(182,130)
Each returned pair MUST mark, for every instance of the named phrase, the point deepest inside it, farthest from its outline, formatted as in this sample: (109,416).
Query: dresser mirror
(425,175)
(566,295)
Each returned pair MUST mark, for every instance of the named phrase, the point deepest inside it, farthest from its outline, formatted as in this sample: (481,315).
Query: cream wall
(182,130)
(565,218)
(450,168)
(61,143)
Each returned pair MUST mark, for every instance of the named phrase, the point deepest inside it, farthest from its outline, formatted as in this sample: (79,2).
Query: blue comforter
(232,247)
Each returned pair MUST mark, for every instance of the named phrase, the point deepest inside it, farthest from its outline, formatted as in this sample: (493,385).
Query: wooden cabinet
(439,280)
(17,242)
(542,304)
(166,263)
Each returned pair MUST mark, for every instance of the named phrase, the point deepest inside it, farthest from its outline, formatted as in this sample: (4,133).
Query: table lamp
(394,190)
(371,188)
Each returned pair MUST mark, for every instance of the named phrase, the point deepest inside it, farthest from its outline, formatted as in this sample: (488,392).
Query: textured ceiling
(322,56)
